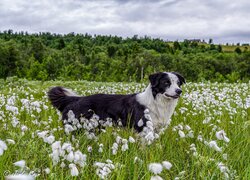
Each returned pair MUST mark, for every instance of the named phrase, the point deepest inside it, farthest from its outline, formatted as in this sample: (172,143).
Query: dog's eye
(167,82)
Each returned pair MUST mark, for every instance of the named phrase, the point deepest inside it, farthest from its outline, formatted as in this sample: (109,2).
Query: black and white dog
(159,100)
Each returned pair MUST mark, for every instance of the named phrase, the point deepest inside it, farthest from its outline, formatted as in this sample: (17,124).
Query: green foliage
(47,56)
(210,41)
(219,48)
(238,50)
(177,45)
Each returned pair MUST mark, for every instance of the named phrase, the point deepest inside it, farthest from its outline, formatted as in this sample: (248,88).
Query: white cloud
(224,21)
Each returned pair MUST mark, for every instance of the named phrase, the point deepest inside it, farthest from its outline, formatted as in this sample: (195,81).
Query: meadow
(208,138)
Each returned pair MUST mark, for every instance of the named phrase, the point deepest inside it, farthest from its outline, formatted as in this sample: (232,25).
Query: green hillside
(47,56)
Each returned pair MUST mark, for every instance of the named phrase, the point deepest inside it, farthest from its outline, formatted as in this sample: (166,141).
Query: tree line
(48,56)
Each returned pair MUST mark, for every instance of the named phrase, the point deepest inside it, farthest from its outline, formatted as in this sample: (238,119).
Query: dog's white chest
(160,108)
(161,115)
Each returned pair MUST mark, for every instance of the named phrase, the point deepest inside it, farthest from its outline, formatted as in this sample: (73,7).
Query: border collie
(158,101)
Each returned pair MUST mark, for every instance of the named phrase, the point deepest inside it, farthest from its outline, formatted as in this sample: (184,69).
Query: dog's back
(114,106)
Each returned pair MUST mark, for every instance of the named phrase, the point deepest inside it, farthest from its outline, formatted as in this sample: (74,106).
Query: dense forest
(47,56)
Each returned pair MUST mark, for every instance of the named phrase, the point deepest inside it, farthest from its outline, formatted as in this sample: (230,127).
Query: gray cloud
(224,20)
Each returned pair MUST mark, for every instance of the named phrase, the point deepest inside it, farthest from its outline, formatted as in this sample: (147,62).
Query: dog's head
(167,84)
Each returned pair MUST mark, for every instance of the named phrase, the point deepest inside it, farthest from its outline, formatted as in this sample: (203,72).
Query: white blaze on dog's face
(173,89)
(167,84)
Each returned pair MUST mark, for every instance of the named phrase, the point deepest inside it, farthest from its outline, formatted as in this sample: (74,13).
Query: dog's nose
(178,91)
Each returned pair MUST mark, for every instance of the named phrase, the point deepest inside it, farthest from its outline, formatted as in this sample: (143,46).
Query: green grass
(224,103)
(232,48)
(225,48)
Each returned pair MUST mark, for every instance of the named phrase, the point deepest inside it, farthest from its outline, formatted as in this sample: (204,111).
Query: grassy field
(208,138)
(232,48)
(225,48)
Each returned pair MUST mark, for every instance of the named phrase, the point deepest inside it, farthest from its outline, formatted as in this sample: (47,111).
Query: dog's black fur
(123,107)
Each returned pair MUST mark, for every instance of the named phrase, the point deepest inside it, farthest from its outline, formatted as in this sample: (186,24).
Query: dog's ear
(154,79)
(180,77)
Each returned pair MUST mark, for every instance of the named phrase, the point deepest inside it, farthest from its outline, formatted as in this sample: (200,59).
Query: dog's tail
(61,97)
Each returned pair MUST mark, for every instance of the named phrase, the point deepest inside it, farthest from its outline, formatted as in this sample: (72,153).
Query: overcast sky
(222,20)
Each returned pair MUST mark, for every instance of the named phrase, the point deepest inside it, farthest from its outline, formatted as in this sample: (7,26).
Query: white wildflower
(214,127)
(200,138)
(149,124)
(125,147)
(10,141)
(104,169)
(124,141)
(180,127)
(49,139)
(150,137)
(90,149)
(131,139)
(109,161)
(222,167)
(90,135)
(68,147)
(70,156)
(146,111)
(14,122)
(114,148)
(80,158)
(20,164)
(247,105)
(56,145)
(47,170)
(187,127)
(55,156)
(224,156)
(99,164)
(68,128)
(181,134)
(12,109)
(3,147)
(207,120)
(24,128)
(140,123)
(100,150)
(118,139)
(73,170)
(120,123)
(221,135)
(20,177)
(193,148)
(136,159)
(148,117)
(190,134)
(167,165)
(42,134)
(62,165)
(155,168)
(214,146)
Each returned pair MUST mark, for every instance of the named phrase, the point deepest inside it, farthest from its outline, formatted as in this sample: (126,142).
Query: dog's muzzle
(174,97)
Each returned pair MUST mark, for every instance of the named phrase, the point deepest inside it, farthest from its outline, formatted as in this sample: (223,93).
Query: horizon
(165,40)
